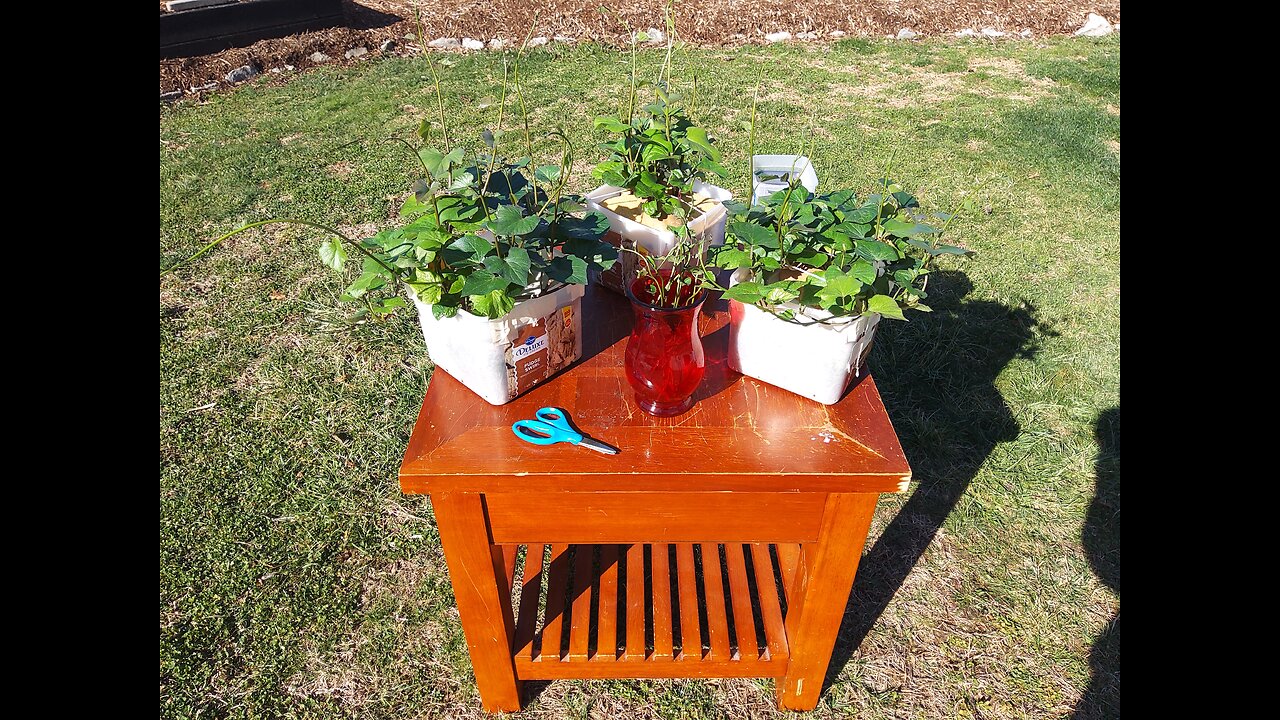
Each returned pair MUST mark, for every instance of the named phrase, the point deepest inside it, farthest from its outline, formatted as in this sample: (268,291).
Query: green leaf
(333,254)
(514,267)
(386,306)
(864,214)
(864,271)
(597,254)
(697,137)
(493,304)
(487,138)
(424,130)
(876,250)
(886,306)
(839,286)
(731,258)
(905,199)
(547,174)
(483,282)
(509,221)
(611,124)
(591,226)
(951,250)
(366,282)
(748,292)
(754,234)
(903,228)
(569,269)
(468,247)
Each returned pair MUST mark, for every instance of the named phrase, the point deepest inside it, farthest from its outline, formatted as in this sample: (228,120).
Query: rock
(1116,27)
(538,41)
(906,34)
(774,37)
(992,33)
(1095,26)
(245,72)
(837,33)
(170,96)
(563,39)
(656,35)
(967,32)
(318,57)
(356,52)
(276,71)
(497,44)
(410,36)
(1026,33)
(472,44)
(807,36)
(289,67)
(737,36)
(445,43)
(202,88)
(387,46)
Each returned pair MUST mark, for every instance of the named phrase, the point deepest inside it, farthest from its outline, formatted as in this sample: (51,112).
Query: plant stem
(431,63)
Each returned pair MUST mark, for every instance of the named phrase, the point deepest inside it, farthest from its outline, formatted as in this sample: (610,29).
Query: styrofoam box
(658,242)
(809,358)
(473,349)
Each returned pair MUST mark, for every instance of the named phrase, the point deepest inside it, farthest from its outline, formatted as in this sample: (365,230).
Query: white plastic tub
(809,358)
(627,233)
(501,359)
(780,169)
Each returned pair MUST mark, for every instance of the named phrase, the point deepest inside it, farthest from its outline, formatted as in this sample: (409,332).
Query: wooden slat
(509,563)
(580,630)
(690,638)
(552,623)
(770,609)
(607,634)
(526,670)
(529,594)
(744,624)
(789,558)
(635,602)
(605,517)
(661,575)
(717,618)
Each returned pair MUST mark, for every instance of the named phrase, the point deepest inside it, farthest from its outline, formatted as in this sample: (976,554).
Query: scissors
(552,426)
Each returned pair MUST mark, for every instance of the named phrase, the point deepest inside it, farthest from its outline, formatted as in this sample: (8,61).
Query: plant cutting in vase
(656,169)
(814,274)
(492,251)
(664,361)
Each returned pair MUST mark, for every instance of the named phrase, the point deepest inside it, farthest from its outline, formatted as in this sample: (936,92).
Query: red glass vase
(664,360)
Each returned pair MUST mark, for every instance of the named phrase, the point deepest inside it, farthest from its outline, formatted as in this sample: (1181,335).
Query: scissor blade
(598,446)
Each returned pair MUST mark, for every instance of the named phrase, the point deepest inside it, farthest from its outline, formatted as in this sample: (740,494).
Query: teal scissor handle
(550,427)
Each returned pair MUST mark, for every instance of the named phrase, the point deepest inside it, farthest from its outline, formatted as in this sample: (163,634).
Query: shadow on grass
(1101,540)
(937,376)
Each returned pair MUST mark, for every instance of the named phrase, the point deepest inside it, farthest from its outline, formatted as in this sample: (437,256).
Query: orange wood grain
(744,624)
(814,615)
(530,591)
(580,630)
(789,560)
(667,517)
(553,621)
(607,633)
(686,584)
(662,627)
(635,603)
(717,618)
(482,596)
(770,607)
(742,434)
(509,563)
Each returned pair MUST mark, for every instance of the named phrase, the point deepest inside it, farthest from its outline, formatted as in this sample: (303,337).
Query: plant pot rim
(698,299)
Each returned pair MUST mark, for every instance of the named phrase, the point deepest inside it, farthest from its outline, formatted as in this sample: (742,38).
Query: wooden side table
(720,543)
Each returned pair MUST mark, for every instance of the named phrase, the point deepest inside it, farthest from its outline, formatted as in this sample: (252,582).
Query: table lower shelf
(652,611)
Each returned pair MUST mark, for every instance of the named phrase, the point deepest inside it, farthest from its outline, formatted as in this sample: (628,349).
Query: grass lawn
(296,581)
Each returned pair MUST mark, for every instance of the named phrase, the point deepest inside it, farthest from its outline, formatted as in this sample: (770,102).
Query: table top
(741,435)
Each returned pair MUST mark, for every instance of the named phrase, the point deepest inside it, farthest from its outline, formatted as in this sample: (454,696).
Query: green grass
(296,581)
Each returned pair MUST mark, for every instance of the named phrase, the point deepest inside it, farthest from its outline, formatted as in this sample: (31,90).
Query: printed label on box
(540,350)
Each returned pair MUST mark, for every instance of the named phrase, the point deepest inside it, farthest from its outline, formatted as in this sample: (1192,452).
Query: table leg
(477,569)
(823,584)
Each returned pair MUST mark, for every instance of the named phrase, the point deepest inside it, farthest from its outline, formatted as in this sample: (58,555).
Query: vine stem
(395,272)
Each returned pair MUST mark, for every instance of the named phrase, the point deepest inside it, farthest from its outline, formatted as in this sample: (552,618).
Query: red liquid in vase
(664,359)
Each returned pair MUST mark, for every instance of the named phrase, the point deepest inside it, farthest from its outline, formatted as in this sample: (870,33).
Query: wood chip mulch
(714,23)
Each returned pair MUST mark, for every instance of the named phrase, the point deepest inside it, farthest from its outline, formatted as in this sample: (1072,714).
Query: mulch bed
(714,23)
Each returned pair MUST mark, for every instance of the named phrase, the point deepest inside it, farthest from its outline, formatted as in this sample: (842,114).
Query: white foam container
(785,165)
(810,358)
(473,349)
